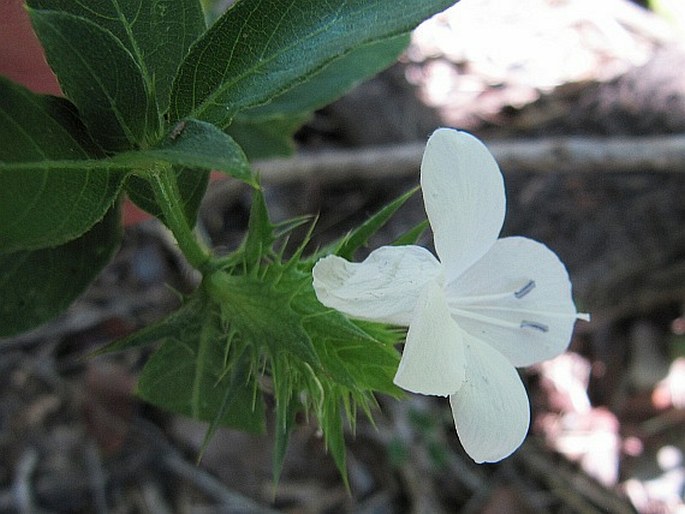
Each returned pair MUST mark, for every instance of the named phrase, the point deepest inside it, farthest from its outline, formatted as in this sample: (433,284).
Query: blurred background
(583,104)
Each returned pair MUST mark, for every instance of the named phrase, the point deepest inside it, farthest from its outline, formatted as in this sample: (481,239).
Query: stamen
(535,325)
(525,290)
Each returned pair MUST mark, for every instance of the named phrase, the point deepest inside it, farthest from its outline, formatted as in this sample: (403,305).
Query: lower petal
(433,357)
(491,411)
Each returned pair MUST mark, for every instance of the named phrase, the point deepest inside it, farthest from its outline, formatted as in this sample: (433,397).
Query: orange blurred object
(21,56)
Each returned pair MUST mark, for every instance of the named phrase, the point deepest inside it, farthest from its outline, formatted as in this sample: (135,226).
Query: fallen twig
(96,477)
(176,464)
(22,483)
(572,487)
(555,154)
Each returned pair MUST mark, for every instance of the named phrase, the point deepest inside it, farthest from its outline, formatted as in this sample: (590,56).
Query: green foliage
(266,323)
(398,452)
(194,148)
(319,361)
(268,46)
(192,183)
(268,129)
(266,137)
(99,75)
(154,101)
(37,285)
(360,236)
(194,144)
(200,372)
(156,34)
(412,235)
(53,188)
(255,327)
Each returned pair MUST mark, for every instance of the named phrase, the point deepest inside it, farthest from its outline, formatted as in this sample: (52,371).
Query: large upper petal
(384,287)
(463,192)
(433,356)
(490,410)
(517,298)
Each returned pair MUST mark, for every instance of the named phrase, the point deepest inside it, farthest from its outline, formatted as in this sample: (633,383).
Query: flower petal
(463,192)
(433,357)
(384,287)
(491,411)
(517,298)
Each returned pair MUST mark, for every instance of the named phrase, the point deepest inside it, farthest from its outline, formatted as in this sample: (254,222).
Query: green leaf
(192,183)
(360,236)
(260,232)
(332,428)
(51,190)
(194,144)
(262,138)
(36,286)
(195,148)
(333,81)
(234,405)
(267,130)
(168,327)
(194,373)
(157,33)
(412,235)
(98,73)
(265,47)
(287,408)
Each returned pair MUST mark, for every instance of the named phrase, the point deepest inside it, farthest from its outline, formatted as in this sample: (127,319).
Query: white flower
(487,306)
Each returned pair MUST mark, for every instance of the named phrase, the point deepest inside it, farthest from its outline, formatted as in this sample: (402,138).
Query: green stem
(163,182)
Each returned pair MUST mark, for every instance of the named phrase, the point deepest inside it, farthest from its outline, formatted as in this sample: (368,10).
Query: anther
(535,325)
(525,290)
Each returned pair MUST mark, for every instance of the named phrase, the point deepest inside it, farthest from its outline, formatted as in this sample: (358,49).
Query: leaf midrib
(261,63)
(96,78)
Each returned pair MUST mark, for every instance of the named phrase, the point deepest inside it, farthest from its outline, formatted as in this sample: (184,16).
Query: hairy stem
(163,182)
